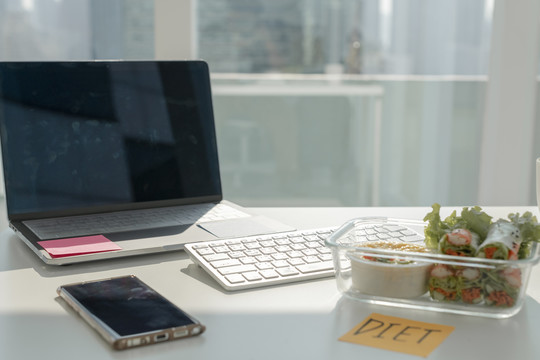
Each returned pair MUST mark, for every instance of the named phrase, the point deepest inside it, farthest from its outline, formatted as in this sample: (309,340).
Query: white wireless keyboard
(265,260)
(273,259)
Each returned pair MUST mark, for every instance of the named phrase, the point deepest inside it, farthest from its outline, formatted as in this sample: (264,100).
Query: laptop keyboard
(130,220)
(257,261)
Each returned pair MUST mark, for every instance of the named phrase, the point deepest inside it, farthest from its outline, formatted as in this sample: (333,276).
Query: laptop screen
(92,134)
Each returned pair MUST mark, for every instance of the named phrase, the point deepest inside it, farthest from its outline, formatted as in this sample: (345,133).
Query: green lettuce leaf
(476,221)
(473,219)
(435,229)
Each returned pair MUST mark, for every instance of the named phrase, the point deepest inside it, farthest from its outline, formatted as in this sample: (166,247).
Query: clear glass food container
(385,261)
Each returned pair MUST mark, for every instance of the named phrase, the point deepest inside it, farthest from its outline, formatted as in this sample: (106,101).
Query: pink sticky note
(78,246)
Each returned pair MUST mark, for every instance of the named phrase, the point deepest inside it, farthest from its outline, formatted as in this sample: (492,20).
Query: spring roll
(443,283)
(502,242)
(470,285)
(502,287)
(460,242)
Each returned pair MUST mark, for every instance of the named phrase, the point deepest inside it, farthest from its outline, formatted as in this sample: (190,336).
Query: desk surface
(298,321)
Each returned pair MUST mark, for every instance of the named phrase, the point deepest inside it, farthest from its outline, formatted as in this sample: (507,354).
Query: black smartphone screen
(128,306)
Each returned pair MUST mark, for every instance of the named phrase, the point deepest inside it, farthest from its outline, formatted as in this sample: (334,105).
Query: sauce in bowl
(389,276)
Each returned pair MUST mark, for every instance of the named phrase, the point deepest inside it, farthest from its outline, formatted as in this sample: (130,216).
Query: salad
(474,233)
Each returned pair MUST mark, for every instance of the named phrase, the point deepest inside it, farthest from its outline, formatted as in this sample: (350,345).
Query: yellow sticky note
(397,334)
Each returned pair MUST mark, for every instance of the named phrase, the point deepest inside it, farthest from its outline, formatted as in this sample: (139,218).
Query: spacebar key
(320,266)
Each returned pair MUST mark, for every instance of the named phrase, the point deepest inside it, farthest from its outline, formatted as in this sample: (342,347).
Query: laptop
(106,159)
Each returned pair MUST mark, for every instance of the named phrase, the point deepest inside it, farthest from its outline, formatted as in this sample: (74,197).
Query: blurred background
(333,102)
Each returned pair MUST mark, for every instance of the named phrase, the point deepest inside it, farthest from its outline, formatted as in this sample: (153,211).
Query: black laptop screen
(90,134)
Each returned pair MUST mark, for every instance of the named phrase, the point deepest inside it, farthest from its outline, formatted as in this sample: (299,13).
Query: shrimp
(512,276)
(441,271)
(460,237)
(469,273)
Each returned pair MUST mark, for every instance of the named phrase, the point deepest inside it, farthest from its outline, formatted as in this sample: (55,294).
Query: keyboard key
(205,251)
(310,252)
(394,228)
(264,266)
(237,247)
(252,253)
(320,266)
(295,261)
(268,250)
(252,276)
(371,232)
(236,255)
(279,263)
(248,260)
(325,257)
(279,256)
(324,250)
(311,259)
(412,238)
(221,249)
(216,257)
(264,258)
(296,254)
(224,263)
(235,278)
(287,271)
(283,248)
(252,245)
(232,242)
(237,269)
(200,246)
(283,242)
(269,274)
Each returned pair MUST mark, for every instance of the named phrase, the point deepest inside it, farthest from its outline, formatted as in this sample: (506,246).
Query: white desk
(299,321)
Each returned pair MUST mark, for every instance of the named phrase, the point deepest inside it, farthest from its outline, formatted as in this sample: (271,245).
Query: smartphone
(128,313)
